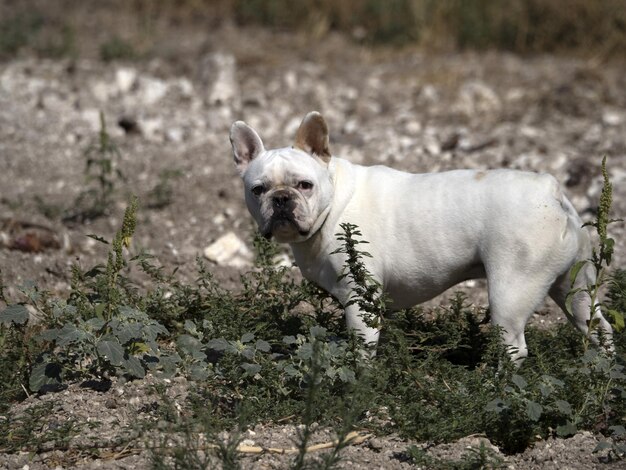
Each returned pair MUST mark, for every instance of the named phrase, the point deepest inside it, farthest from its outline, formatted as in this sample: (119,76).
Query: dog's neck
(323,241)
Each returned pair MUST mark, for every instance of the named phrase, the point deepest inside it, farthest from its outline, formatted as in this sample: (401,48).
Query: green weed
(599,261)
(162,194)
(16,32)
(481,458)
(116,48)
(34,429)
(102,161)
(101,330)
(366,291)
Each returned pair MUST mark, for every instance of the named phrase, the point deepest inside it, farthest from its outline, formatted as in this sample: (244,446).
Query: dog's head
(288,190)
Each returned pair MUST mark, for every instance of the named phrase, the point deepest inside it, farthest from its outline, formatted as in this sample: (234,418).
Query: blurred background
(419,85)
(114,29)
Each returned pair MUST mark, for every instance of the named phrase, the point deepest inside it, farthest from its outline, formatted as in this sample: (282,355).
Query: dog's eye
(258,189)
(305,185)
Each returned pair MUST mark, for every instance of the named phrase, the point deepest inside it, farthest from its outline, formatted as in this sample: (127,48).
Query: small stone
(282,260)
(477,98)
(219,219)
(225,88)
(174,134)
(102,91)
(110,403)
(125,78)
(229,250)
(612,118)
(151,128)
(185,87)
(92,117)
(291,80)
(375,444)
(151,90)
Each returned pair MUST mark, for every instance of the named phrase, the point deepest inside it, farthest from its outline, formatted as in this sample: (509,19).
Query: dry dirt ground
(406,109)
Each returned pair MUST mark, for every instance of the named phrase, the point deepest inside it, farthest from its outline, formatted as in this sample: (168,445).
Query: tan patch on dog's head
(312,136)
(480,175)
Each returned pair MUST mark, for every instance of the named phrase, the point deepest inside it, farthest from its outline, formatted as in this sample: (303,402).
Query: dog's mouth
(283,227)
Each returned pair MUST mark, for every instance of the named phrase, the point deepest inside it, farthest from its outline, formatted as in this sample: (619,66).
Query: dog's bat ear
(247,144)
(312,136)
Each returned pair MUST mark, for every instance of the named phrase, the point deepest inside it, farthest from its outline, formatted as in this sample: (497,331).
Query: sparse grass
(103,175)
(279,348)
(482,458)
(24,28)
(116,48)
(34,428)
(162,194)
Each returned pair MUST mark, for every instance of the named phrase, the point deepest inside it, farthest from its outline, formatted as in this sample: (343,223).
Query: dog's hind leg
(513,297)
(581,301)
(581,304)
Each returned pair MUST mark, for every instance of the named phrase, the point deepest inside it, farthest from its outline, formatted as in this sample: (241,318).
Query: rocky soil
(406,109)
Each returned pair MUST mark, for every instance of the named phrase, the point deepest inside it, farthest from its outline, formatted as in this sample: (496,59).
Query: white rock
(291,80)
(151,90)
(351,126)
(595,188)
(229,250)
(407,143)
(219,219)
(224,89)
(477,98)
(103,91)
(151,128)
(413,127)
(282,260)
(185,87)
(174,134)
(558,162)
(54,102)
(612,118)
(125,78)
(429,93)
(92,117)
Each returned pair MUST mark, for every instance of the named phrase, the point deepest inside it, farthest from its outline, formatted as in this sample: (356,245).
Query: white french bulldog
(426,232)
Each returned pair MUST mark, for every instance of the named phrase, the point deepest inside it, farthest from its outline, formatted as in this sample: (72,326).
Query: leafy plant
(17,349)
(366,291)
(616,294)
(616,446)
(101,330)
(600,259)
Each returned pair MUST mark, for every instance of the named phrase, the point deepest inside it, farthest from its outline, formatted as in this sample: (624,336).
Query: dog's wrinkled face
(288,190)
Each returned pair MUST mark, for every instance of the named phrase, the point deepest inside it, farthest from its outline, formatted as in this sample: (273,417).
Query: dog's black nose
(280,200)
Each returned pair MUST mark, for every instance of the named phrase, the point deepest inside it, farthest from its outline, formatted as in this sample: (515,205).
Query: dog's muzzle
(283,208)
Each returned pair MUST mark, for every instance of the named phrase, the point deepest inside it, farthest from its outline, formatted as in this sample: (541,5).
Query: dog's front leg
(356,321)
